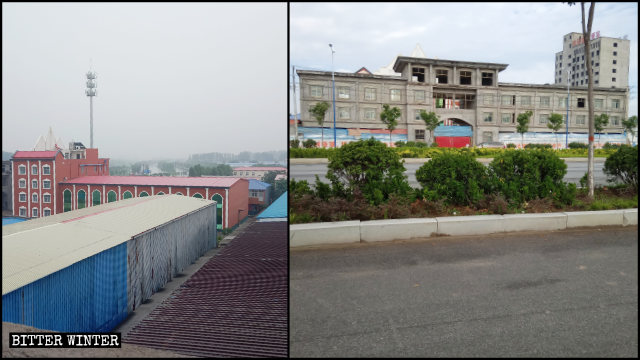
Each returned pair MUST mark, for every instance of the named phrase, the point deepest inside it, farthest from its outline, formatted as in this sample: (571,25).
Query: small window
(419,95)
(46,184)
(542,119)
(22,197)
(22,170)
(613,79)
(581,102)
(465,77)
(395,94)
(370,114)
(417,74)
(34,169)
(343,113)
(417,113)
(506,118)
(615,103)
(508,100)
(34,212)
(488,117)
(46,170)
(46,212)
(34,184)
(23,211)
(615,44)
(487,79)
(442,76)
(343,92)
(419,134)
(580,119)
(598,103)
(316,91)
(34,198)
(613,70)
(525,100)
(615,53)
(615,62)
(369,94)
(545,101)
(22,183)
(615,121)
(46,198)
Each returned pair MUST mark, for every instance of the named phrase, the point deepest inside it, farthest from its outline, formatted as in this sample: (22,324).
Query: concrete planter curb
(594,218)
(470,225)
(346,232)
(630,217)
(397,229)
(342,232)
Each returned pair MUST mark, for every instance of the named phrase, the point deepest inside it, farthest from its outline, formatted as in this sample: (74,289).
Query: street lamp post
(333,80)
(566,141)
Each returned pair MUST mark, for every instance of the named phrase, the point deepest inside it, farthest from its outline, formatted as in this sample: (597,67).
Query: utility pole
(566,141)
(295,106)
(333,80)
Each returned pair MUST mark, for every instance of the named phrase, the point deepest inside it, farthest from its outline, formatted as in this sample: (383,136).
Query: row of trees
(390,115)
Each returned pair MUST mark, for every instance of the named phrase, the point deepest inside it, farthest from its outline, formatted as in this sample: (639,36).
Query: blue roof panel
(258,185)
(278,209)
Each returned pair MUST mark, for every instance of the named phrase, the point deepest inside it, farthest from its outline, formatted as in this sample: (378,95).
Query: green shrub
(623,165)
(608,146)
(310,153)
(526,175)
(457,178)
(538,146)
(309,143)
(368,166)
(511,146)
(299,188)
(577,145)
(400,143)
(294,144)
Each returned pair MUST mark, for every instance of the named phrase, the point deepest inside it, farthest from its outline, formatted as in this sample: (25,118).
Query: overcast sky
(526,36)
(173,78)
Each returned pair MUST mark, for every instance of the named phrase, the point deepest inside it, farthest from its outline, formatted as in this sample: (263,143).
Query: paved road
(571,293)
(575,171)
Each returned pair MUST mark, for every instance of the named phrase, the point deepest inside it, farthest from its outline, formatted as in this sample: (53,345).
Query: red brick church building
(54,181)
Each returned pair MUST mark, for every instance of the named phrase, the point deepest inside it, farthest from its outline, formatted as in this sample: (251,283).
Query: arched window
(95,197)
(46,212)
(82,199)
(218,198)
(34,212)
(46,170)
(34,169)
(22,170)
(178,193)
(111,196)
(127,195)
(22,183)
(34,198)
(160,193)
(196,195)
(66,197)
(143,194)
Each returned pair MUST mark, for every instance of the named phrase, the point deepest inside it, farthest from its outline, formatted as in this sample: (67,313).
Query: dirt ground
(126,351)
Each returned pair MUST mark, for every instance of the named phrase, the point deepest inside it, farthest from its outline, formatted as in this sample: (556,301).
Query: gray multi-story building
(462,93)
(7,188)
(609,61)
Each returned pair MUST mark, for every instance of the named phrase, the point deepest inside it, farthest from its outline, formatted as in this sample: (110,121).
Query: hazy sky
(173,78)
(526,36)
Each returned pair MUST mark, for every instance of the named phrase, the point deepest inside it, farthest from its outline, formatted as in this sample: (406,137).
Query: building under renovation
(468,97)
(86,270)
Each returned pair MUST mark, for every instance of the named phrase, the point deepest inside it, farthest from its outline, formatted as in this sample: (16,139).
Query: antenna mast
(91,92)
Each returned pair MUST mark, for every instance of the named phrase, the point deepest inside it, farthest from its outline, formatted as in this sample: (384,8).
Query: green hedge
(430,152)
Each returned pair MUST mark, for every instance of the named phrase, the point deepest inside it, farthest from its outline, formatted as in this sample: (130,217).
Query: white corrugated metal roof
(34,249)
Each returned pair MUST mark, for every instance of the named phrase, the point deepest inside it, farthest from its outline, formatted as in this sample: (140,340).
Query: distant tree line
(216,170)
